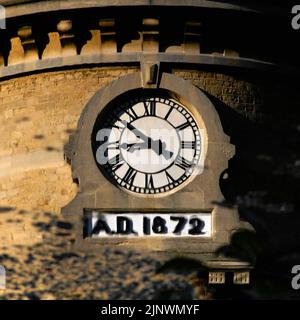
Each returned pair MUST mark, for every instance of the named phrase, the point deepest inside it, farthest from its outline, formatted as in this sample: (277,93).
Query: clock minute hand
(137,132)
(167,154)
(157,146)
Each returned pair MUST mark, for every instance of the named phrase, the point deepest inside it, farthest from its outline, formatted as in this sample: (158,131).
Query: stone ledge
(134,58)
(17,8)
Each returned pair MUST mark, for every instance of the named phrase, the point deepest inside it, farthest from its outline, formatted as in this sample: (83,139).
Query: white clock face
(147,145)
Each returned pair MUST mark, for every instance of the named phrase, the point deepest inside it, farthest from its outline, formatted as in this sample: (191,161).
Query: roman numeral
(188,144)
(130,176)
(149,184)
(168,113)
(183,126)
(132,115)
(169,178)
(150,108)
(116,162)
(183,163)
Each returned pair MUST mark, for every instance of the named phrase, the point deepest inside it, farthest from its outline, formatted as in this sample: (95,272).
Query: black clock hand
(137,132)
(157,146)
(167,154)
(130,147)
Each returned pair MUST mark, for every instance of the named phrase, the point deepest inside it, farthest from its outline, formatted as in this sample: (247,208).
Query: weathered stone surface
(38,113)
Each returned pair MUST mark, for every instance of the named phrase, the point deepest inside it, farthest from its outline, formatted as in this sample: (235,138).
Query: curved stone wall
(38,114)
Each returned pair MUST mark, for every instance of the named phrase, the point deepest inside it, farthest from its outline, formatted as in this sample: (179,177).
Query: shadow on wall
(50,269)
(262,181)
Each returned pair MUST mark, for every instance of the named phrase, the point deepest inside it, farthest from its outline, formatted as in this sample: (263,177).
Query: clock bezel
(128,99)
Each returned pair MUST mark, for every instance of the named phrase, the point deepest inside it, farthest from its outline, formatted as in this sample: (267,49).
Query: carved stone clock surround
(203,194)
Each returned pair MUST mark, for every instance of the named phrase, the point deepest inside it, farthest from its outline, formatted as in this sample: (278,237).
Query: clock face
(147,145)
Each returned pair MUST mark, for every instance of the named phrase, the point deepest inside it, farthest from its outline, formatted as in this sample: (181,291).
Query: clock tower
(124,130)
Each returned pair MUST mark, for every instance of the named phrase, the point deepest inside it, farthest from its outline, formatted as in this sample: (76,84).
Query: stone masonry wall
(244,96)
(37,115)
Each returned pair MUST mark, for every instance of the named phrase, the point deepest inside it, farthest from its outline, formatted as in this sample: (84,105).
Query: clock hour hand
(131,147)
(137,132)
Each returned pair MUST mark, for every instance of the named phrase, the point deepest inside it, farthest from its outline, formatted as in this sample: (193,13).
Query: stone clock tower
(128,126)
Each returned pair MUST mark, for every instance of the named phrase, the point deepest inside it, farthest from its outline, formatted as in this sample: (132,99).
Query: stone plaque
(99,224)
